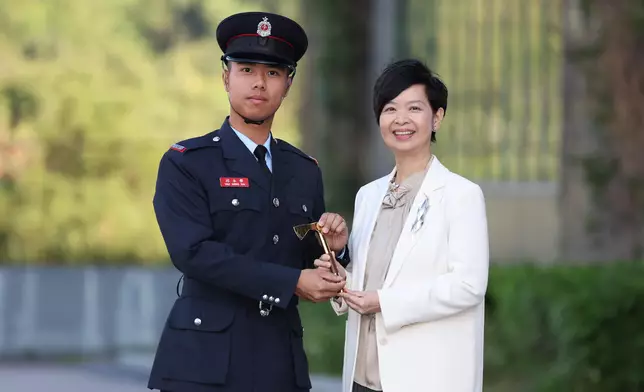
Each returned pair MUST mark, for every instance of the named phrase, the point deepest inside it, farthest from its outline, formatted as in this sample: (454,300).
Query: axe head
(302,230)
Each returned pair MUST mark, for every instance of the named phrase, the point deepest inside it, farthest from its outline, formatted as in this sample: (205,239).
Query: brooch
(420,215)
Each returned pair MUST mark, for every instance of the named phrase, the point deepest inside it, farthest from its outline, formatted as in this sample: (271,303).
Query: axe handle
(327,251)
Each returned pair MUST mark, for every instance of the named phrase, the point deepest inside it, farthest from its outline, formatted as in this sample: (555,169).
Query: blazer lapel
(373,205)
(240,160)
(428,193)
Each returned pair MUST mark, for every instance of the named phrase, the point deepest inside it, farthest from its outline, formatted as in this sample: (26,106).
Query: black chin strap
(249,121)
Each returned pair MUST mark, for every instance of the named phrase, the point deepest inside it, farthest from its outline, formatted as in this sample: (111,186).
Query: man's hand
(318,285)
(363,302)
(324,262)
(335,230)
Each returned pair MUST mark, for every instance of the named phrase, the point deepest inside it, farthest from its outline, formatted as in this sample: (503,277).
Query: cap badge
(264,28)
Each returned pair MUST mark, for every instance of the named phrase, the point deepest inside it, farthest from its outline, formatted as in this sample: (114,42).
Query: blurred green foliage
(548,329)
(92,93)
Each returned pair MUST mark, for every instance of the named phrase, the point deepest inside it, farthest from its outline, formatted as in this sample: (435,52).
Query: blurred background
(546,113)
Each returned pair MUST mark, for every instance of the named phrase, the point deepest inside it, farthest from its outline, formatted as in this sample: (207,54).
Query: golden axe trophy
(302,230)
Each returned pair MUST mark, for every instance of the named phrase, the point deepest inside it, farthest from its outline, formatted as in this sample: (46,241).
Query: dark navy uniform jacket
(235,246)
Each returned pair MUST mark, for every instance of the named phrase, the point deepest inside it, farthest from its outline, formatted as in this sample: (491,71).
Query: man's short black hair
(399,76)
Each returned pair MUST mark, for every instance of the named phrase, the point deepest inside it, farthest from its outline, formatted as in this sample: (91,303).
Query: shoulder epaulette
(178,147)
(297,151)
(193,143)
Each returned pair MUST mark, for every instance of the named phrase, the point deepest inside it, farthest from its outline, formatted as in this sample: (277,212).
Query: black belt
(194,288)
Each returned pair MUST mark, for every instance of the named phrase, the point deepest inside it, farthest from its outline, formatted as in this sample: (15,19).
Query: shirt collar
(251,145)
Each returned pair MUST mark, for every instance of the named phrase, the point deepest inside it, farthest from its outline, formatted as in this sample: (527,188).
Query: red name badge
(233,182)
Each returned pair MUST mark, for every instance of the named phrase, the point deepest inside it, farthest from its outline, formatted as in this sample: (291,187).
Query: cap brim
(258,58)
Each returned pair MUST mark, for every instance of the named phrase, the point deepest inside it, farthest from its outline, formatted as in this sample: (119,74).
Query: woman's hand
(363,302)
(326,261)
(335,230)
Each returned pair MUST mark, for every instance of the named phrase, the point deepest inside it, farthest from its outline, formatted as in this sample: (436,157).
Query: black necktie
(260,152)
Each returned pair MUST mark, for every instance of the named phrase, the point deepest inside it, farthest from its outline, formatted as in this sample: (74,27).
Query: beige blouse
(391,219)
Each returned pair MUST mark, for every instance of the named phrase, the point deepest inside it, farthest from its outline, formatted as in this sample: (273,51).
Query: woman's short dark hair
(401,75)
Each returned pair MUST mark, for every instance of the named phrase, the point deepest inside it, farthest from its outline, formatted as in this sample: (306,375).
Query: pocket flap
(301,206)
(200,315)
(235,200)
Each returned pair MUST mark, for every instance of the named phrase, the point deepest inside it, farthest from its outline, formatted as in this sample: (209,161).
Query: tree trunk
(334,123)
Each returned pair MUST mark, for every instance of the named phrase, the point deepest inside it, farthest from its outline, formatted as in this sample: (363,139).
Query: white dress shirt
(251,145)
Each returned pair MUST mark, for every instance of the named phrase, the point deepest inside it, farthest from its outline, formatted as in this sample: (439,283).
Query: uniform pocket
(234,215)
(301,207)
(200,339)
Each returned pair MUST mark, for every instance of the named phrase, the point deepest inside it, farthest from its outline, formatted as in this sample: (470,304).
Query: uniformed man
(226,204)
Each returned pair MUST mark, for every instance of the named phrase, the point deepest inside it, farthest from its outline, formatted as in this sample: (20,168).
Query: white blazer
(430,329)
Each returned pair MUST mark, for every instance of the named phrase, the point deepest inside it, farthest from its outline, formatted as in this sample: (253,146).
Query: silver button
(197,321)
(271,299)
(265,297)
(304,208)
(276,239)
(276,202)
(277,300)
(216,139)
(235,202)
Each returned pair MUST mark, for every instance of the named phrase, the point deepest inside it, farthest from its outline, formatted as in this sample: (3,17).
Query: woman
(419,255)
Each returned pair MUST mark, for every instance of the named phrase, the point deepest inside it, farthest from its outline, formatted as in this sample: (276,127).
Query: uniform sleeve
(181,207)
(345,257)
(465,283)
